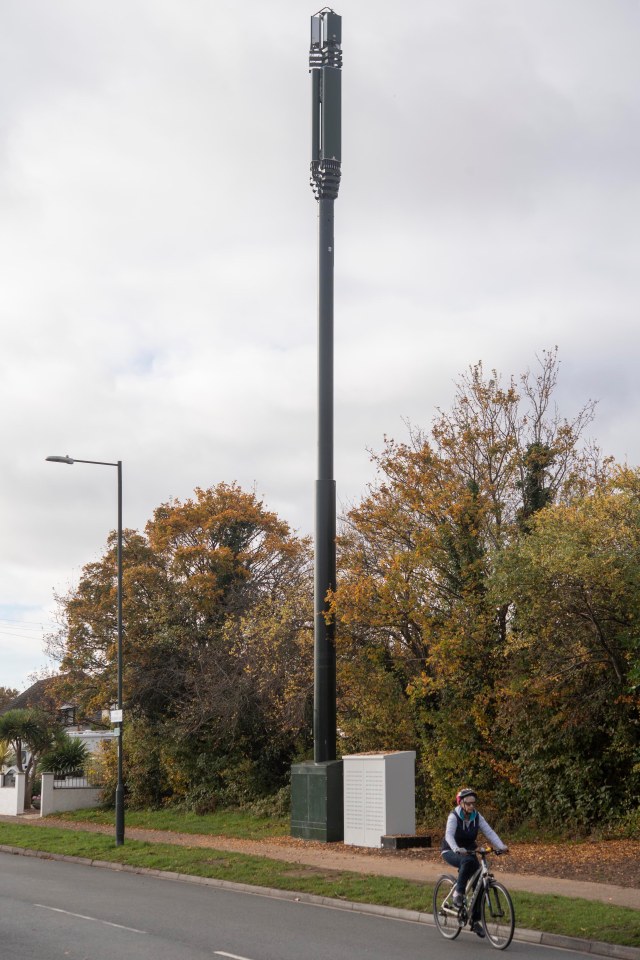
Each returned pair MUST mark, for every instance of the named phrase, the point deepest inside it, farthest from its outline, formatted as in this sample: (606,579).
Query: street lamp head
(66,459)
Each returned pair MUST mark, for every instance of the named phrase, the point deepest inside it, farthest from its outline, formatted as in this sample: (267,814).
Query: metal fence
(69,783)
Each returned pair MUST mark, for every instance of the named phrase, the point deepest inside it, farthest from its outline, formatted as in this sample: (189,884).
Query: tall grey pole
(119,785)
(324,714)
(325,65)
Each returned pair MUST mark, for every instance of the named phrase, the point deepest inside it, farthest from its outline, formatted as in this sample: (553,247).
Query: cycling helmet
(464,793)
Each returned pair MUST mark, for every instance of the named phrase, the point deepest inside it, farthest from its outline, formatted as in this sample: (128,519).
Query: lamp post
(119,786)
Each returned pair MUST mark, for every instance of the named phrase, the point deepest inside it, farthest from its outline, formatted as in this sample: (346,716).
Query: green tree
(569,711)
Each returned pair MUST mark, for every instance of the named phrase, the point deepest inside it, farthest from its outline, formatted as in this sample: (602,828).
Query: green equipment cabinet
(317,801)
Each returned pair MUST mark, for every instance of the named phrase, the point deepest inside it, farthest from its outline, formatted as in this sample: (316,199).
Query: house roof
(44,695)
(39,694)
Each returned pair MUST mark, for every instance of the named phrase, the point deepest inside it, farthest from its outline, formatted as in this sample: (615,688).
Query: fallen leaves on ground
(599,861)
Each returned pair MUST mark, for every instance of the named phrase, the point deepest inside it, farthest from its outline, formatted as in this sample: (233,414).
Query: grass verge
(574,918)
(225,823)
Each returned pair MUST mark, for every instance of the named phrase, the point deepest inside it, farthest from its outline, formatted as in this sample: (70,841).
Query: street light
(119,787)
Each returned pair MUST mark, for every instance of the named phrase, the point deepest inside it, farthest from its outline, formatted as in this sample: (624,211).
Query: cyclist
(459,843)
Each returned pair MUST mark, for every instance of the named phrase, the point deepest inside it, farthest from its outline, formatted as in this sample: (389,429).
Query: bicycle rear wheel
(498,915)
(444,913)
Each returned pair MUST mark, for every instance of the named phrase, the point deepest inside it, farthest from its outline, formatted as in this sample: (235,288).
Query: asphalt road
(50,910)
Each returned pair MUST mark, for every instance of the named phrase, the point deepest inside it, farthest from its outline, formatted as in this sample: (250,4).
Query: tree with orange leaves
(417,557)
(217,615)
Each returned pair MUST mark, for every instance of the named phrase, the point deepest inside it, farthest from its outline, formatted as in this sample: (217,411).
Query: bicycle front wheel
(444,913)
(498,915)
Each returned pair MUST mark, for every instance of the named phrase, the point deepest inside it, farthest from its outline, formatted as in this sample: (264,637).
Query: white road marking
(81,916)
(233,956)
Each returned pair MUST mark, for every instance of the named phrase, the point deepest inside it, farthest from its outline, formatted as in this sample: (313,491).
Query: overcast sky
(158,248)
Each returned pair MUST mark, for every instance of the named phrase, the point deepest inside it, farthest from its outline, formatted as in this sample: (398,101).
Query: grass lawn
(225,823)
(577,918)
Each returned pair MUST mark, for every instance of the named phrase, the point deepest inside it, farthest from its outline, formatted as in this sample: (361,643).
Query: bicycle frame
(477,883)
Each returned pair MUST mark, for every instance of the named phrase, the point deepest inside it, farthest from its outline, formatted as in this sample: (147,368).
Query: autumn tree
(85,645)
(217,615)
(418,553)
(569,712)
(241,582)
(7,694)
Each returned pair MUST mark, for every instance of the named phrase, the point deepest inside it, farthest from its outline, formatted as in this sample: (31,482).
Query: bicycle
(496,906)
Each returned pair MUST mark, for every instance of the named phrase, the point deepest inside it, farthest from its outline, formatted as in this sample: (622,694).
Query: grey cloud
(158,243)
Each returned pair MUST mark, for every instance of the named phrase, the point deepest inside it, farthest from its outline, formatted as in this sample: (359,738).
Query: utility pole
(316,788)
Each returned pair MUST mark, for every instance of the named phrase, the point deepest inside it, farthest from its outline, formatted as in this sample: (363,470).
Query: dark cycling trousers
(467,864)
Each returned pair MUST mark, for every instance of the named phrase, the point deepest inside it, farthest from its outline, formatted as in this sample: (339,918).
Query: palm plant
(30,732)
(6,754)
(68,755)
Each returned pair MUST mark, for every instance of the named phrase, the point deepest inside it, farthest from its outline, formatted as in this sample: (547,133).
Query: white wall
(66,798)
(12,798)
(93,738)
